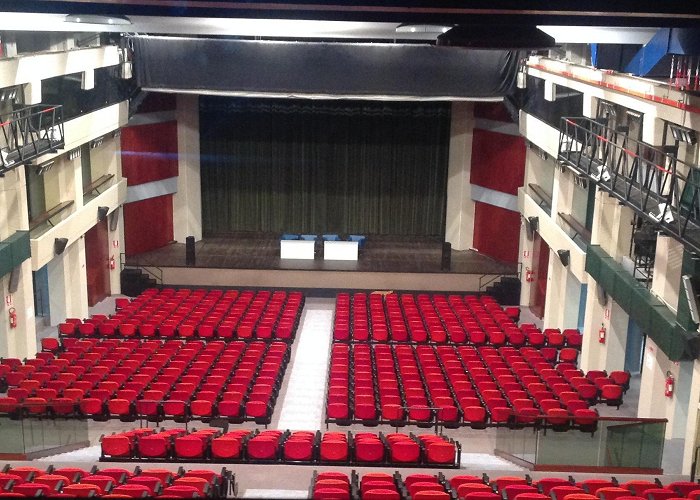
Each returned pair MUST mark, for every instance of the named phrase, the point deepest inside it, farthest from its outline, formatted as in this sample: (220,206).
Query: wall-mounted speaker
(189,251)
(102,213)
(14,280)
(114,220)
(446,260)
(601,295)
(532,225)
(59,245)
(564,256)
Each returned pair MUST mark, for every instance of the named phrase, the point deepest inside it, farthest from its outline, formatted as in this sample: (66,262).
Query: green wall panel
(651,315)
(13,251)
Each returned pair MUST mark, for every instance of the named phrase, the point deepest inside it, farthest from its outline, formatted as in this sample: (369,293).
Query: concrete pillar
(526,248)
(18,342)
(667,270)
(652,402)
(116,240)
(692,440)
(459,223)
(611,354)
(187,202)
(562,285)
(68,284)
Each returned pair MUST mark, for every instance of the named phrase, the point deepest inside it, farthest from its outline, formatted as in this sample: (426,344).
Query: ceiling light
(97,19)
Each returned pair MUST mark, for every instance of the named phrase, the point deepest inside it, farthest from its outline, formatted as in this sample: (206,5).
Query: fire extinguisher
(601,334)
(13,317)
(529,275)
(112,263)
(669,386)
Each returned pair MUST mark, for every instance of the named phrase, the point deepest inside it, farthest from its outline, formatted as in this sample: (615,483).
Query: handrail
(158,275)
(49,214)
(97,183)
(578,228)
(541,194)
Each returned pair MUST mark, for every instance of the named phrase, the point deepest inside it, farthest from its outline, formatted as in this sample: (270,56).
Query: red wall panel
(496,232)
(148,224)
(149,152)
(498,161)
(158,101)
(492,111)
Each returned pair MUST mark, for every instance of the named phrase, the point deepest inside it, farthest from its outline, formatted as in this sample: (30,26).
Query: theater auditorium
(355,251)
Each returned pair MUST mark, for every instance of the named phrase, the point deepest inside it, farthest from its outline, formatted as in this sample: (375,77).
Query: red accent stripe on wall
(148,224)
(496,232)
(149,152)
(498,161)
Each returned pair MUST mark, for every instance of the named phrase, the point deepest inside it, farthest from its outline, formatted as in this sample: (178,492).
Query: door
(97,262)
(540,260)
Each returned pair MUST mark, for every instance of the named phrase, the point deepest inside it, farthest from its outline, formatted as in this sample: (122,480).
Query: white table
(297,249)
(340,250)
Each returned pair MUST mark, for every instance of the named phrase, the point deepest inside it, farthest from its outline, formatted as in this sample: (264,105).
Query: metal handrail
(28,133)
(655,184)
(154,271)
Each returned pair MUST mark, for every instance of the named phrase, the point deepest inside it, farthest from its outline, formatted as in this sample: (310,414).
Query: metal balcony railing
(28,133)
(654,184)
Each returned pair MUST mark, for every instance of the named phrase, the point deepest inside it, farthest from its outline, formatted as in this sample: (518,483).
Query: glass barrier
(624,443)
(35,437)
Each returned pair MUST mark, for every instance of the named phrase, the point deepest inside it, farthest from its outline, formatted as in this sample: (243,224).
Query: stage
(385,263)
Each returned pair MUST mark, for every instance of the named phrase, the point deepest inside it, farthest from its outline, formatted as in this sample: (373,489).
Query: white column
(653,403)
(187,202)
(18,342)
(116,247)
(691,430)
(68,284)
(459,223)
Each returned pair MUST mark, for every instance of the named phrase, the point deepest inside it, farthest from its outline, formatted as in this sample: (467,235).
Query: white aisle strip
(304,401)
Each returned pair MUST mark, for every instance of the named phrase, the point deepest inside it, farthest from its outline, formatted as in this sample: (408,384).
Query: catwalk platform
(385,263)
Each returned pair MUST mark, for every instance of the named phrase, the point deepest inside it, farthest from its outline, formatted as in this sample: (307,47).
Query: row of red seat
(379,486)
(438,318)
(129,379)
(200,313)
(306,447)
(73,482)
(384,486)
(460,385)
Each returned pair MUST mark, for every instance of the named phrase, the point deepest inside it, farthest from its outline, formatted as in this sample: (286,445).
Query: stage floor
(378,255)
(384,263)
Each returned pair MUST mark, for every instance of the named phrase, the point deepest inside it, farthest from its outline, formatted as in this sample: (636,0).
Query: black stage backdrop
(314,166)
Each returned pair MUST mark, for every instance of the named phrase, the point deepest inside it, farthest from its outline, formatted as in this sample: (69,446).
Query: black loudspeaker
(102,213)
(564,257)
(14,280)
(114,220)
(59,245)
(446,261)
(532,224)
(189,251)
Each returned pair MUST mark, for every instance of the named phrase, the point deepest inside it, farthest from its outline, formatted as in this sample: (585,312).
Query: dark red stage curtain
(148,224)
(149,152)
(498,161)
(496,232)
